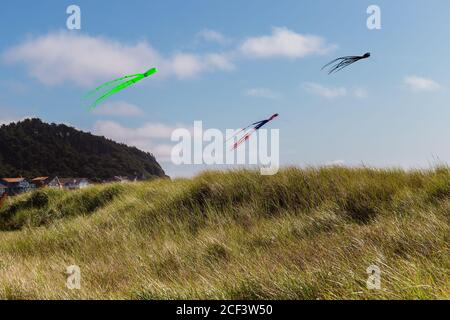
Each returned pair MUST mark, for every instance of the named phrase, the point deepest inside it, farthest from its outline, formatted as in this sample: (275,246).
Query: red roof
(13,180)
(40,179)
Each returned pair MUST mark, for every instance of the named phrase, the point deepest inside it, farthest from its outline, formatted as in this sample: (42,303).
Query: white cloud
(150,137)
(284,43)
(417,83)
(322,91)
(262,93)
(186,65)
(118,132)
(85,60)
(118,108)
(162,151)
(221,61)
(334,92)
(213,36)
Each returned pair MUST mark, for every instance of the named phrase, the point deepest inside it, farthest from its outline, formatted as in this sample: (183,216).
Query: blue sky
(229,63)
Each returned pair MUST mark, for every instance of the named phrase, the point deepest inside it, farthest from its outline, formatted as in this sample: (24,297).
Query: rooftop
(13,180)
(40,179)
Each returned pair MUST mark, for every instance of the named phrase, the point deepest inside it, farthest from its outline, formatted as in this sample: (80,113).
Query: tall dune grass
(301,234)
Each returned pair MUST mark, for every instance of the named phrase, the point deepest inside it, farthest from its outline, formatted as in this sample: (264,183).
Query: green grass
(301,234)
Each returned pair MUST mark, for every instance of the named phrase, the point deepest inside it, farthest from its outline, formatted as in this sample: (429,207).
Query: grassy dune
(301,234)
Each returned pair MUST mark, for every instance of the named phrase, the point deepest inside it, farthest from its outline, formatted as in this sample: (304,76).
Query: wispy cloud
(284,43)
(151,137)
(322,91)
(118,108)
(82,59)
(222,61)
(59,57)
(149,130)
(262,93)
(417,83)
(213,36)
(333,92)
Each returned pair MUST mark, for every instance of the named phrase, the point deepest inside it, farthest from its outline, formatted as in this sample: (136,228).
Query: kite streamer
(105,89)
(249,130)
(342,62)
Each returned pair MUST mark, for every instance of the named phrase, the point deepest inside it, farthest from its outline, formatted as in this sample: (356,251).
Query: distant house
(16,185)
(74,183)
(55,183)
(41,182)
(3,189)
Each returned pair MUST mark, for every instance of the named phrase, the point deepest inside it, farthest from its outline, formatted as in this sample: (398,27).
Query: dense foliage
(33,148)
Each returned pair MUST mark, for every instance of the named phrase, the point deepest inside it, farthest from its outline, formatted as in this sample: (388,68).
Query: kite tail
(243,139)
(116,89)
(343,65)
(336,60)
(240,131)
(90,93)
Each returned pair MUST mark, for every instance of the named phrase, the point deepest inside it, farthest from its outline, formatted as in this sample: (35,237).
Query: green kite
(132,80)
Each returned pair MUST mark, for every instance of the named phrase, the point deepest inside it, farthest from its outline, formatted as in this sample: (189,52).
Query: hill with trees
(32,148)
